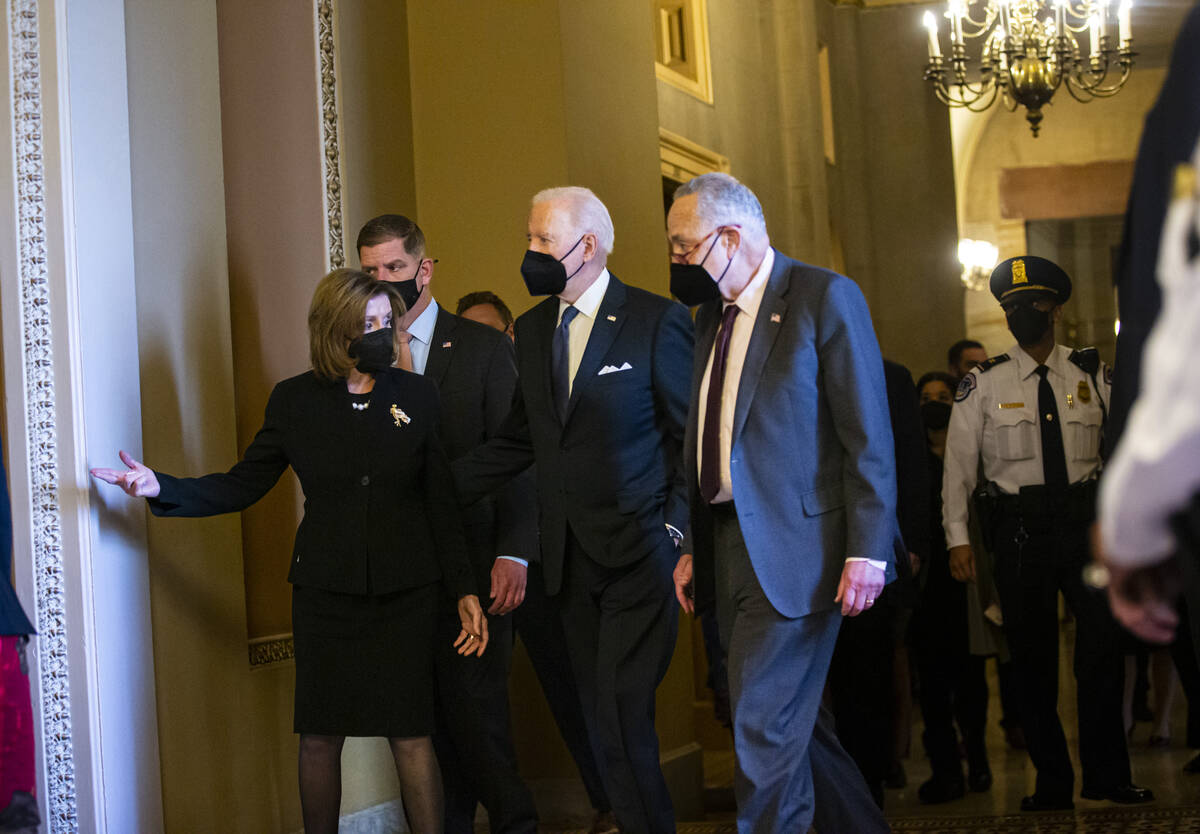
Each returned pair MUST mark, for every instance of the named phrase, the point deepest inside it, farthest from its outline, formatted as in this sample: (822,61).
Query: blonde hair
(336,317)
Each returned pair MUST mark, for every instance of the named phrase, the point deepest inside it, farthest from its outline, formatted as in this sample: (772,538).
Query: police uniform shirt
(995,415)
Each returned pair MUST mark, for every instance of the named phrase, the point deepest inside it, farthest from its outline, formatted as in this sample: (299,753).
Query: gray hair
(587,213)
(722,200)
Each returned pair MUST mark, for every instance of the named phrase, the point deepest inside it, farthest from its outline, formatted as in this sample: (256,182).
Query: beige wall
(221,727)
(892,190)
(1072,133)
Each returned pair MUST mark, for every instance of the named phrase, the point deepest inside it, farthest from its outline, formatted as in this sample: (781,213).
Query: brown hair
(336,317)
(387,227)
(485,297)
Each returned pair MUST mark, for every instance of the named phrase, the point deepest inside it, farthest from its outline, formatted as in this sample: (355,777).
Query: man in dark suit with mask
(473,368)
(602,399)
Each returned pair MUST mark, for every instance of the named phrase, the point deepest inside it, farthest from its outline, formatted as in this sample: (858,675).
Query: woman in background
(379,544)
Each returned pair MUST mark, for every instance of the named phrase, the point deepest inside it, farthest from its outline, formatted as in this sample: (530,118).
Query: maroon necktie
(710,443)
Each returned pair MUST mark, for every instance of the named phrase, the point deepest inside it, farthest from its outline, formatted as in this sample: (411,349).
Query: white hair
(723,201)
(586,211)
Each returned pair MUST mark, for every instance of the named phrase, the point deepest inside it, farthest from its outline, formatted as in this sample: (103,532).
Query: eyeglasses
(685,257)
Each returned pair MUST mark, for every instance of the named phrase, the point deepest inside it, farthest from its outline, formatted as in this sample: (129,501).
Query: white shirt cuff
(875,563)
(521,562)
(956,534)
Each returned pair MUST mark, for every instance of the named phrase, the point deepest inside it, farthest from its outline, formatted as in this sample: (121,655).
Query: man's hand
(508,585)
(962,563)
(138,481)
(860,586)
(1142,599)
(915,562)
(683,583)
(473,638)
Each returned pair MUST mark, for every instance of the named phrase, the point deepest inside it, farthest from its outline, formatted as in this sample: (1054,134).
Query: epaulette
(1088,359)
(991,362)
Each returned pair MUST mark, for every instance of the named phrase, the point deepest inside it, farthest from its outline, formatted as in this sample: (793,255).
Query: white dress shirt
(743,325)
(421,331)
(588,305)
(995,416)
(1156,467)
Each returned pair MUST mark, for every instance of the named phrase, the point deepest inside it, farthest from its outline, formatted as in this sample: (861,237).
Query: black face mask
(545,274)
(409,291)
(935,414)
(374,351)
(1029,324)
(692,284)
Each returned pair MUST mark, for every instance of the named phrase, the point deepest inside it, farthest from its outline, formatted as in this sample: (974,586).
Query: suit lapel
(771,312)
(609,321)
(440,347)
(707,319)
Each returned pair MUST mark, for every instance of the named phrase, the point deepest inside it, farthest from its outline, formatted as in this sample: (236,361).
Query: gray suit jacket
(813,466)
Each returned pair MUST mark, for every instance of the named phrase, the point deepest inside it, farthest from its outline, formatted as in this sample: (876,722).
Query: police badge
(1084,392)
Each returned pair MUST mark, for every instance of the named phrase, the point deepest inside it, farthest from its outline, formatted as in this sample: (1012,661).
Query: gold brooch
(399,416)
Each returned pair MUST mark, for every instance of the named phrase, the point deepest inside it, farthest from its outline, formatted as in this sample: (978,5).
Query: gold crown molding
(681,159)
(24,50)
(694,75)
(268,651)
(331,157)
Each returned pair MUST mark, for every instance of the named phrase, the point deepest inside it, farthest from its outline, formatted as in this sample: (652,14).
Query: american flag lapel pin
(611,318)
(776,318)
(446,344)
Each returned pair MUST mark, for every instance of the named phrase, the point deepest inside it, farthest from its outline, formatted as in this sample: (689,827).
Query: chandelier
(1027,50)
(978,259)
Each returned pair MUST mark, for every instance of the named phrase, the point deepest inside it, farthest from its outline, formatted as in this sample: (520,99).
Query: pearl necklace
(361,406)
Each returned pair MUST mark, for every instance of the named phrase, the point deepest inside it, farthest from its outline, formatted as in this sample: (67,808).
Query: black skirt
(364,664)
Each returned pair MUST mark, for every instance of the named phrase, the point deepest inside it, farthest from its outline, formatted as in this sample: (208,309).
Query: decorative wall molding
(266,651)
(41,436)
(682,55)
(680,158)
(331,157)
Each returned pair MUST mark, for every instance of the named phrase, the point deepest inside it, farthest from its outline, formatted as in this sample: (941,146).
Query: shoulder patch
(965,387)
(987,364)
(1087,359)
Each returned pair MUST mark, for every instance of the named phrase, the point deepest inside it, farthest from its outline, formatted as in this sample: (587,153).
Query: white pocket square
(612,369)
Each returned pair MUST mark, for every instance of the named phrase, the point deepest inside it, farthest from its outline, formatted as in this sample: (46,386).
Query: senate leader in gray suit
(792,491)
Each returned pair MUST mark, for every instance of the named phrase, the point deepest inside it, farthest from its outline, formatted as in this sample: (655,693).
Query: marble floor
(1176,809)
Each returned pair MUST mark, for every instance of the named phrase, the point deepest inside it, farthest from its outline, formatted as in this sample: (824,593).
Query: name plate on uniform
(1012,405)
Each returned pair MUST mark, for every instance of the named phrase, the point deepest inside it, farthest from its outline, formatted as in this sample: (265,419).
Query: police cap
(1029,273)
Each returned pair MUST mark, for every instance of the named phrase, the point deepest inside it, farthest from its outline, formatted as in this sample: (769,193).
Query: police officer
(1035,415)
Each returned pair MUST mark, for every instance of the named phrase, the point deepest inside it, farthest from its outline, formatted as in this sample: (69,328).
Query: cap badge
(1018,272)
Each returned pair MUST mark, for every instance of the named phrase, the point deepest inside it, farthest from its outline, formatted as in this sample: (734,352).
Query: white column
(71,377)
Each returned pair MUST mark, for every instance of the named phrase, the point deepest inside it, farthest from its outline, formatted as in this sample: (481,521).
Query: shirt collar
(589,302)
(750,298)
(1026,364)
(422,328)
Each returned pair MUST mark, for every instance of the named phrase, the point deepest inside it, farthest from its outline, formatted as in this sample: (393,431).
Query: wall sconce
(978,258)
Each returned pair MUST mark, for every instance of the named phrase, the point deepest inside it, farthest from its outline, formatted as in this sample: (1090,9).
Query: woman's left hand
(473,638)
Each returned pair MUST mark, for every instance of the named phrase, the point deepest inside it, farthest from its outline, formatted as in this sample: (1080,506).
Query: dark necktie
(560,362)
(710,443)
(1054,461)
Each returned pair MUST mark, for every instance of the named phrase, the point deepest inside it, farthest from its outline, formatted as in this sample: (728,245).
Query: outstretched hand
(138,481)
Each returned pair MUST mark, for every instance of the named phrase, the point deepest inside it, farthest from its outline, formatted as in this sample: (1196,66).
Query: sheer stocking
(320,782)
(420,783)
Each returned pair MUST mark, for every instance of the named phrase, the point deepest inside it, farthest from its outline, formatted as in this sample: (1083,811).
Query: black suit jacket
(613,469)
(475,371)
(380,513)
(912,474)
(1169,137)
(12,616)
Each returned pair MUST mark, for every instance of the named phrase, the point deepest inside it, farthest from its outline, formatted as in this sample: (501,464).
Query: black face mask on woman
(935,414)
(1029,324)
(374,352)
(545,274)
(692,284)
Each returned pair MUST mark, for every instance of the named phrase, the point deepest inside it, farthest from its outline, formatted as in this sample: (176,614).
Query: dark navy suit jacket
(613,469)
